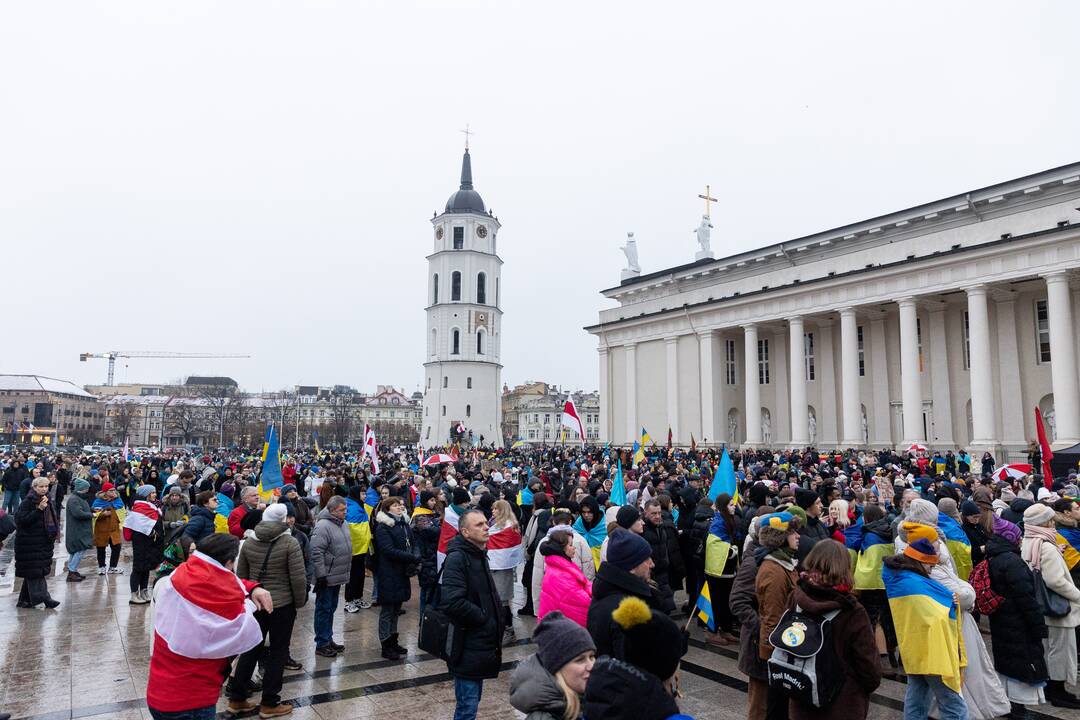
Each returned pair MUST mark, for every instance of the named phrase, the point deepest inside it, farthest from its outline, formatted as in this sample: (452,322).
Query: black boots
(397,646)
(1058,696)
(390,650)
(1018,712)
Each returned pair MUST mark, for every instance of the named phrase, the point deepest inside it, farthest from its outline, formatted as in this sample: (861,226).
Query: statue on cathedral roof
(633,269)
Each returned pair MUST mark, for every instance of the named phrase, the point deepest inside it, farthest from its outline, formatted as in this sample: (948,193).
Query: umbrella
(1015,470)
(916,447)
(439,459)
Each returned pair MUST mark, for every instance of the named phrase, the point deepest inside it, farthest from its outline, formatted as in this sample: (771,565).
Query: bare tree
(182,418)
(239,419)
(124,413)
(342,410)
(218,398)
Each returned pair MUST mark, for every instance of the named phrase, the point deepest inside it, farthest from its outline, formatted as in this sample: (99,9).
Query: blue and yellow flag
(271,478)
(525,496)
(724,479)
(958,543)
(371,500)
(359,527)
(639,448)
(853,539)
(618,488)
(717,546)
(872,553)
(595,537)
(1069,540)
(704,607)
(927,625)
(221,515)
(315,437)
(266,441)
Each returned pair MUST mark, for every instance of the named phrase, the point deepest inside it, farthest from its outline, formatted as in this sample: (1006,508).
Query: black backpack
(804,663)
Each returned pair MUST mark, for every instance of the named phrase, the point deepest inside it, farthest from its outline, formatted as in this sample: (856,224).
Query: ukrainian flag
(221,515)
(1069,540)
(704,607)
(525,496)
(958,543)
(717,546)
(266,441)
(853,539)
(359,528)
(724,479)
(371,500)
(872,553)
(315,437)
(927,626)
(595,537)
(618,488)
(639,448)
(271,478)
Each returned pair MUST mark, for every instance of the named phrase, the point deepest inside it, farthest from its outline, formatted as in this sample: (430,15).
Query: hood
(532,689)
(1062,520)
(621,581)
(324,514)
(618,690)
(882,528)
(1019,505)
(267,531)
(818,600)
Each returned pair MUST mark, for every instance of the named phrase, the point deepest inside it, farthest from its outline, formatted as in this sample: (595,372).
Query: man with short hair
(625,573)
(249,501)
(471,601)
(331,554)
(656,535)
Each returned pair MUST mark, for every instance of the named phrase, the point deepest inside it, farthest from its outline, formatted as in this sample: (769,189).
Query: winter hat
(611,515)
(1044,493)
(948,506)
(288,488)
(1007,530)
(275,513)
(912,531)
(805,498)
(460,496)
(144,491)
(627,516)
(922,550)
(426,495)
(227,489)
(81,486)
(651,640)
(107,486)
(627,550)
(1007,494)
(966,509)
(773,529)
(559,640)
(1038,514)
(176,490)
(922,511)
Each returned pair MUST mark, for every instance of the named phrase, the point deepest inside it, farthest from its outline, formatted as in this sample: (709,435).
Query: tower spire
(466,171)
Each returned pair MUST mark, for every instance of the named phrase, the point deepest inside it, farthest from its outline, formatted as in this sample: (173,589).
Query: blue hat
(145,490)
(627,549)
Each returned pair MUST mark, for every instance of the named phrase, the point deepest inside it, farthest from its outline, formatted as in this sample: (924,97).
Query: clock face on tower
(481,231)
(438,233)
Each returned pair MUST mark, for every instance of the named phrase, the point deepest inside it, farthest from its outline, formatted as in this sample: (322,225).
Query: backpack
(986,600)
(804,663)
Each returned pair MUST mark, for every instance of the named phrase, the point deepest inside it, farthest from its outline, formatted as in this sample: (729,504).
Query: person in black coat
(426,527)
(14,475)
(1017,627)
(147,551)
(471,601)
(624,573)
(36,531)
(973,528)
(676,564)
(396,559)
(655,534)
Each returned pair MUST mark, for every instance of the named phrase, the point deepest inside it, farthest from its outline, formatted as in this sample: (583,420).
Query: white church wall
(652,389)
(690,397)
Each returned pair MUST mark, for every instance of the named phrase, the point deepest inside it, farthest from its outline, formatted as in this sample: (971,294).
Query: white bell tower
(462,372)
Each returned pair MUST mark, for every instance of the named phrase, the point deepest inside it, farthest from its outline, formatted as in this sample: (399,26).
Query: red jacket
(235,518)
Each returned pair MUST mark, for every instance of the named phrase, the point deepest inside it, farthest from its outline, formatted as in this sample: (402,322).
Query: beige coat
(1055,573)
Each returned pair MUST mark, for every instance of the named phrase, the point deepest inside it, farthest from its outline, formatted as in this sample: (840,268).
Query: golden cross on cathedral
(467,132)
(709,199)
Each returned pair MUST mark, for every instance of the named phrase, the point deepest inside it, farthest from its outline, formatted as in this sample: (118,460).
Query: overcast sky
(258,177)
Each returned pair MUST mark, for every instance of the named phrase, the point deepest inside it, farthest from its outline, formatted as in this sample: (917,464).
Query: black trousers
(776,703)
(114,556)
(139,580)
(34,591)
(278,625)
(354,589)
(720,594)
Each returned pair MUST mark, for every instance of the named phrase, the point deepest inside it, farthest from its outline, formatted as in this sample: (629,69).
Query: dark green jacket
(284,577)
(80,524)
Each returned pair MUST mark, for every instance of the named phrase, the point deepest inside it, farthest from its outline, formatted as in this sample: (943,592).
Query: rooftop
(39,383)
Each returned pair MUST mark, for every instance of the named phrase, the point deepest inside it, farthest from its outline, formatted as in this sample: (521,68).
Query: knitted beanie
(922,550)
(559,640)
(275,513)
(1038,514)
(651,640)
(627,550)
(627,516)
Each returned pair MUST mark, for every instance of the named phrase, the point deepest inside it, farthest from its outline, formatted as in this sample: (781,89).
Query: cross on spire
(708,198)
(467,132)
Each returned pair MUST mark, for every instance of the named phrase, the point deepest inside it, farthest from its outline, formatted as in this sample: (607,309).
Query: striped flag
(927,624)
(705,607)
(572,420)
(142,519)
(504,548)
(447,532)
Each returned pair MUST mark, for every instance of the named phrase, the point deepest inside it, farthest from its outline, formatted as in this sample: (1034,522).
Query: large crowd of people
(824,571)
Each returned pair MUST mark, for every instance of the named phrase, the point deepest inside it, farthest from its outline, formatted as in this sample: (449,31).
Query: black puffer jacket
(147,550)
(395,553)
(657,537)
(1017,626)
(426,528)
(33,546)
(677,567)
(471,601)
(619,691)
(611,585)
(14,475)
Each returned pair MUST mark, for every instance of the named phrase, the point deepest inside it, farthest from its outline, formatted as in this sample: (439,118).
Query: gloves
(320,584)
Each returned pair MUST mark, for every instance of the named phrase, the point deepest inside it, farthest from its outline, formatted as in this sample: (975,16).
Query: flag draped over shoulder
(448,531)
(717,546)
(356,517)
(1069,540)
(142,518)
(724,479)
(594,537)
(705,608)
(504,548)
(116,505)
(927,625)
(853,539)
(872,553)
(371,500)
(618,487)
(958,543)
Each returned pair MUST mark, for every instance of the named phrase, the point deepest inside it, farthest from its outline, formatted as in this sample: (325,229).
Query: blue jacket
(200,524)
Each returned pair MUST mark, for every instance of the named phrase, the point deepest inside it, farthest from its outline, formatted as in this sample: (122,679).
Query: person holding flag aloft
(722,545)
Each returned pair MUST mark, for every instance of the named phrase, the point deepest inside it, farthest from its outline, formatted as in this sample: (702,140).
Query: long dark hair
(723,500)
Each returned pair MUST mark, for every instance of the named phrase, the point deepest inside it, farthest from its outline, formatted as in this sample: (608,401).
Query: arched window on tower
(455,345)
(479,342)
(435,293)
(468,411)
(434,342)
(496,292)
(455,286)
(481,289)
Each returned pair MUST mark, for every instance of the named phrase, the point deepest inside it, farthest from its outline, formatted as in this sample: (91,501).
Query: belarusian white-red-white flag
(371,447)
(447,532)
(142,518)
(572,420)
(504,548)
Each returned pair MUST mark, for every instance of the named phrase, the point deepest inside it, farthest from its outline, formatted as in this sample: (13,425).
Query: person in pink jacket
(565,587)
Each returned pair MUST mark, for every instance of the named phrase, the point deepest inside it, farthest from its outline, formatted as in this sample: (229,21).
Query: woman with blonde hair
(505,553)
(550,684)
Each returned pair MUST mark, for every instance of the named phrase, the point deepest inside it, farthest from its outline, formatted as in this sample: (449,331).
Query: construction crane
(113,354)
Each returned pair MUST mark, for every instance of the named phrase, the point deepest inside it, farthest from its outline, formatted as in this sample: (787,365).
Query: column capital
(630,346)
(907,301)
(1056,276)
(847,311)
(706,334)
(976,290)
(603,350)
(792,319)
(671,339)
(747,327)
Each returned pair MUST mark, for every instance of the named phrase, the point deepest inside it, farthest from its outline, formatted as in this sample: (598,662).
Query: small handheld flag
(705,607)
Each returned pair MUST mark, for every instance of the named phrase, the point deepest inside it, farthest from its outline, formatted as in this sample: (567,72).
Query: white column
(940,388)
(881,412)
(631,393)
(1063,359)
(1008,349)
(910,381)
(780,410)
(849,378)
(605,396)
(752,419)
(828,436)
(672,347)
(983,414)
(800,431)
(708,399)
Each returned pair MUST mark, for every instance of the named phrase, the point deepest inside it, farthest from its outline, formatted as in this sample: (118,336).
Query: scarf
(1033,553)
(52,527)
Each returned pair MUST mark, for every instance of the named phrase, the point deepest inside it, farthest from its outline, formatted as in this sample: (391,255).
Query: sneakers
(508,636)
(114,571)
(363,604)
(101,570)
(292,664)
(139,597)
(241,706)
(273,711)
(352,607)
(326,651)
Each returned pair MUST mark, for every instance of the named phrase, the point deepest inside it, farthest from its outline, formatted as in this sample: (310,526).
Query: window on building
(763,361)
(446,381)
(468,383)
(808,355)
(1042,331)
(729,362)
(496,292)
(455,286)
(480,343)
(444,411)
(965,332)
(481,288)
(532,434)
(429,383)
(435,289)
(918,341)
(455,344)
(468,411)
(862,352)
(459,238)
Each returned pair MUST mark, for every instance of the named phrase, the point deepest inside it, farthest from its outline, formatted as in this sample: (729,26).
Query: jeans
(388,615)
(326,601)
(921,691)
(74,560)
(11,501)
(354,589)
(204,713)
(279,626)
(114,556)
(467,695)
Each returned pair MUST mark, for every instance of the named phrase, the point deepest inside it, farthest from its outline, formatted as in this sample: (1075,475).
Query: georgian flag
(142,518)
(572,420)
(371,448)
(504,548)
